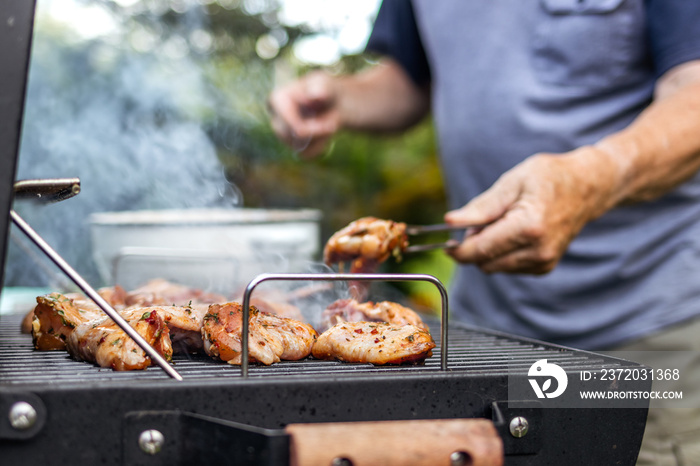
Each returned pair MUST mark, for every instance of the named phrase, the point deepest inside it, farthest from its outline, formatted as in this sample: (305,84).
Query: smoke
(127,124)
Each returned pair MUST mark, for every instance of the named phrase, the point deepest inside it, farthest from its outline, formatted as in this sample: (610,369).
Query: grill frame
(94,416)
(103,411)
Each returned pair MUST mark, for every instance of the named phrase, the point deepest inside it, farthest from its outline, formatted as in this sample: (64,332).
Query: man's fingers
(287,111)
(487,207)
(318,90)
(289,117)
(508,257)
(491,242)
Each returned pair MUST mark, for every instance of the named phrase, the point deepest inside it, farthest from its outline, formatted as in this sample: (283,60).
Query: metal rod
(394,277)
(92,294)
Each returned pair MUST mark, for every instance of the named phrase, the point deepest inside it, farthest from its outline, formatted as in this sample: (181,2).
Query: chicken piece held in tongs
(366,243)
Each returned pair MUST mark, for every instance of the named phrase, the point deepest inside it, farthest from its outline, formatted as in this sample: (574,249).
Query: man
(569,133)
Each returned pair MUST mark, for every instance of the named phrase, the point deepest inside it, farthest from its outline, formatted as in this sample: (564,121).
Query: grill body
(95,416)
(87,415)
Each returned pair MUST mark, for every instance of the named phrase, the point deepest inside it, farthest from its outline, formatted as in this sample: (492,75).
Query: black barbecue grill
(54,410)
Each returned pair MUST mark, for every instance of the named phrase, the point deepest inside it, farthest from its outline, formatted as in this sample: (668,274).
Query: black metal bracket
(520,428)
(22,415)
(181,438)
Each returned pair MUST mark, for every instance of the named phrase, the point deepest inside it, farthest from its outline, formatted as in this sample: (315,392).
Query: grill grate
(472,351)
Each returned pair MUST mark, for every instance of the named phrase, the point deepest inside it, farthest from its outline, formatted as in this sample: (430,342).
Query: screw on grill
(22,415)
(151,441)
(461,458)
(519,427)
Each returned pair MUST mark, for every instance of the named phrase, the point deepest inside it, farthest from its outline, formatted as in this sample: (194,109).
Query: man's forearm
(383,98)
(661,148)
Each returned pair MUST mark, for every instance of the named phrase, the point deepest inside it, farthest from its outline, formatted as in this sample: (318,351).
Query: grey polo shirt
(511,78)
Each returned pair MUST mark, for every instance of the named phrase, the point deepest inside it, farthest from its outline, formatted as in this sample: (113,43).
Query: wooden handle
(396,443)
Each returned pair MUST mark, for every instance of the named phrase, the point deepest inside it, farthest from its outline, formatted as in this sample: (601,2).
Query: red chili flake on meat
(377,340)
(374,332)
(358,330)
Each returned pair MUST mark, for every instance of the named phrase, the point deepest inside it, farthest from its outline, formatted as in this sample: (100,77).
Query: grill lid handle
(47,190)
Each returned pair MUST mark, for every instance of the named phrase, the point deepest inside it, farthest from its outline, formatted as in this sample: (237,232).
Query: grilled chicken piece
(55,317)
(350,310)
(374,342)
(113,295)
(366,243)
(184,324)
(102,342)
(271,338)
(297,337)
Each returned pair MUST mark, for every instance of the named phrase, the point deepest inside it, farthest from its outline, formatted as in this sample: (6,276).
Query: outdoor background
(161,104)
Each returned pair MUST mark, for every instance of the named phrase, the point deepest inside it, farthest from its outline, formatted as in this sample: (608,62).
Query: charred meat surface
(184,324)
(366,243)
(56,316)
(76,324)
(374,342)
(271,338)
(350,310)
(104,343)
(113,295)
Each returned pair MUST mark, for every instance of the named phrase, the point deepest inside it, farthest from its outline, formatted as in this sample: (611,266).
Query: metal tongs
(417,230)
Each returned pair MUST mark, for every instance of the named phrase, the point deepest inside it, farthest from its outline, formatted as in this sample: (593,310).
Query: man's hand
(531,214)
(382,98)
(534,210)
(304,114)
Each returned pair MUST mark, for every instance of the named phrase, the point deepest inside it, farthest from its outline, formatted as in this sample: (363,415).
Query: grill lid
(16,24)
